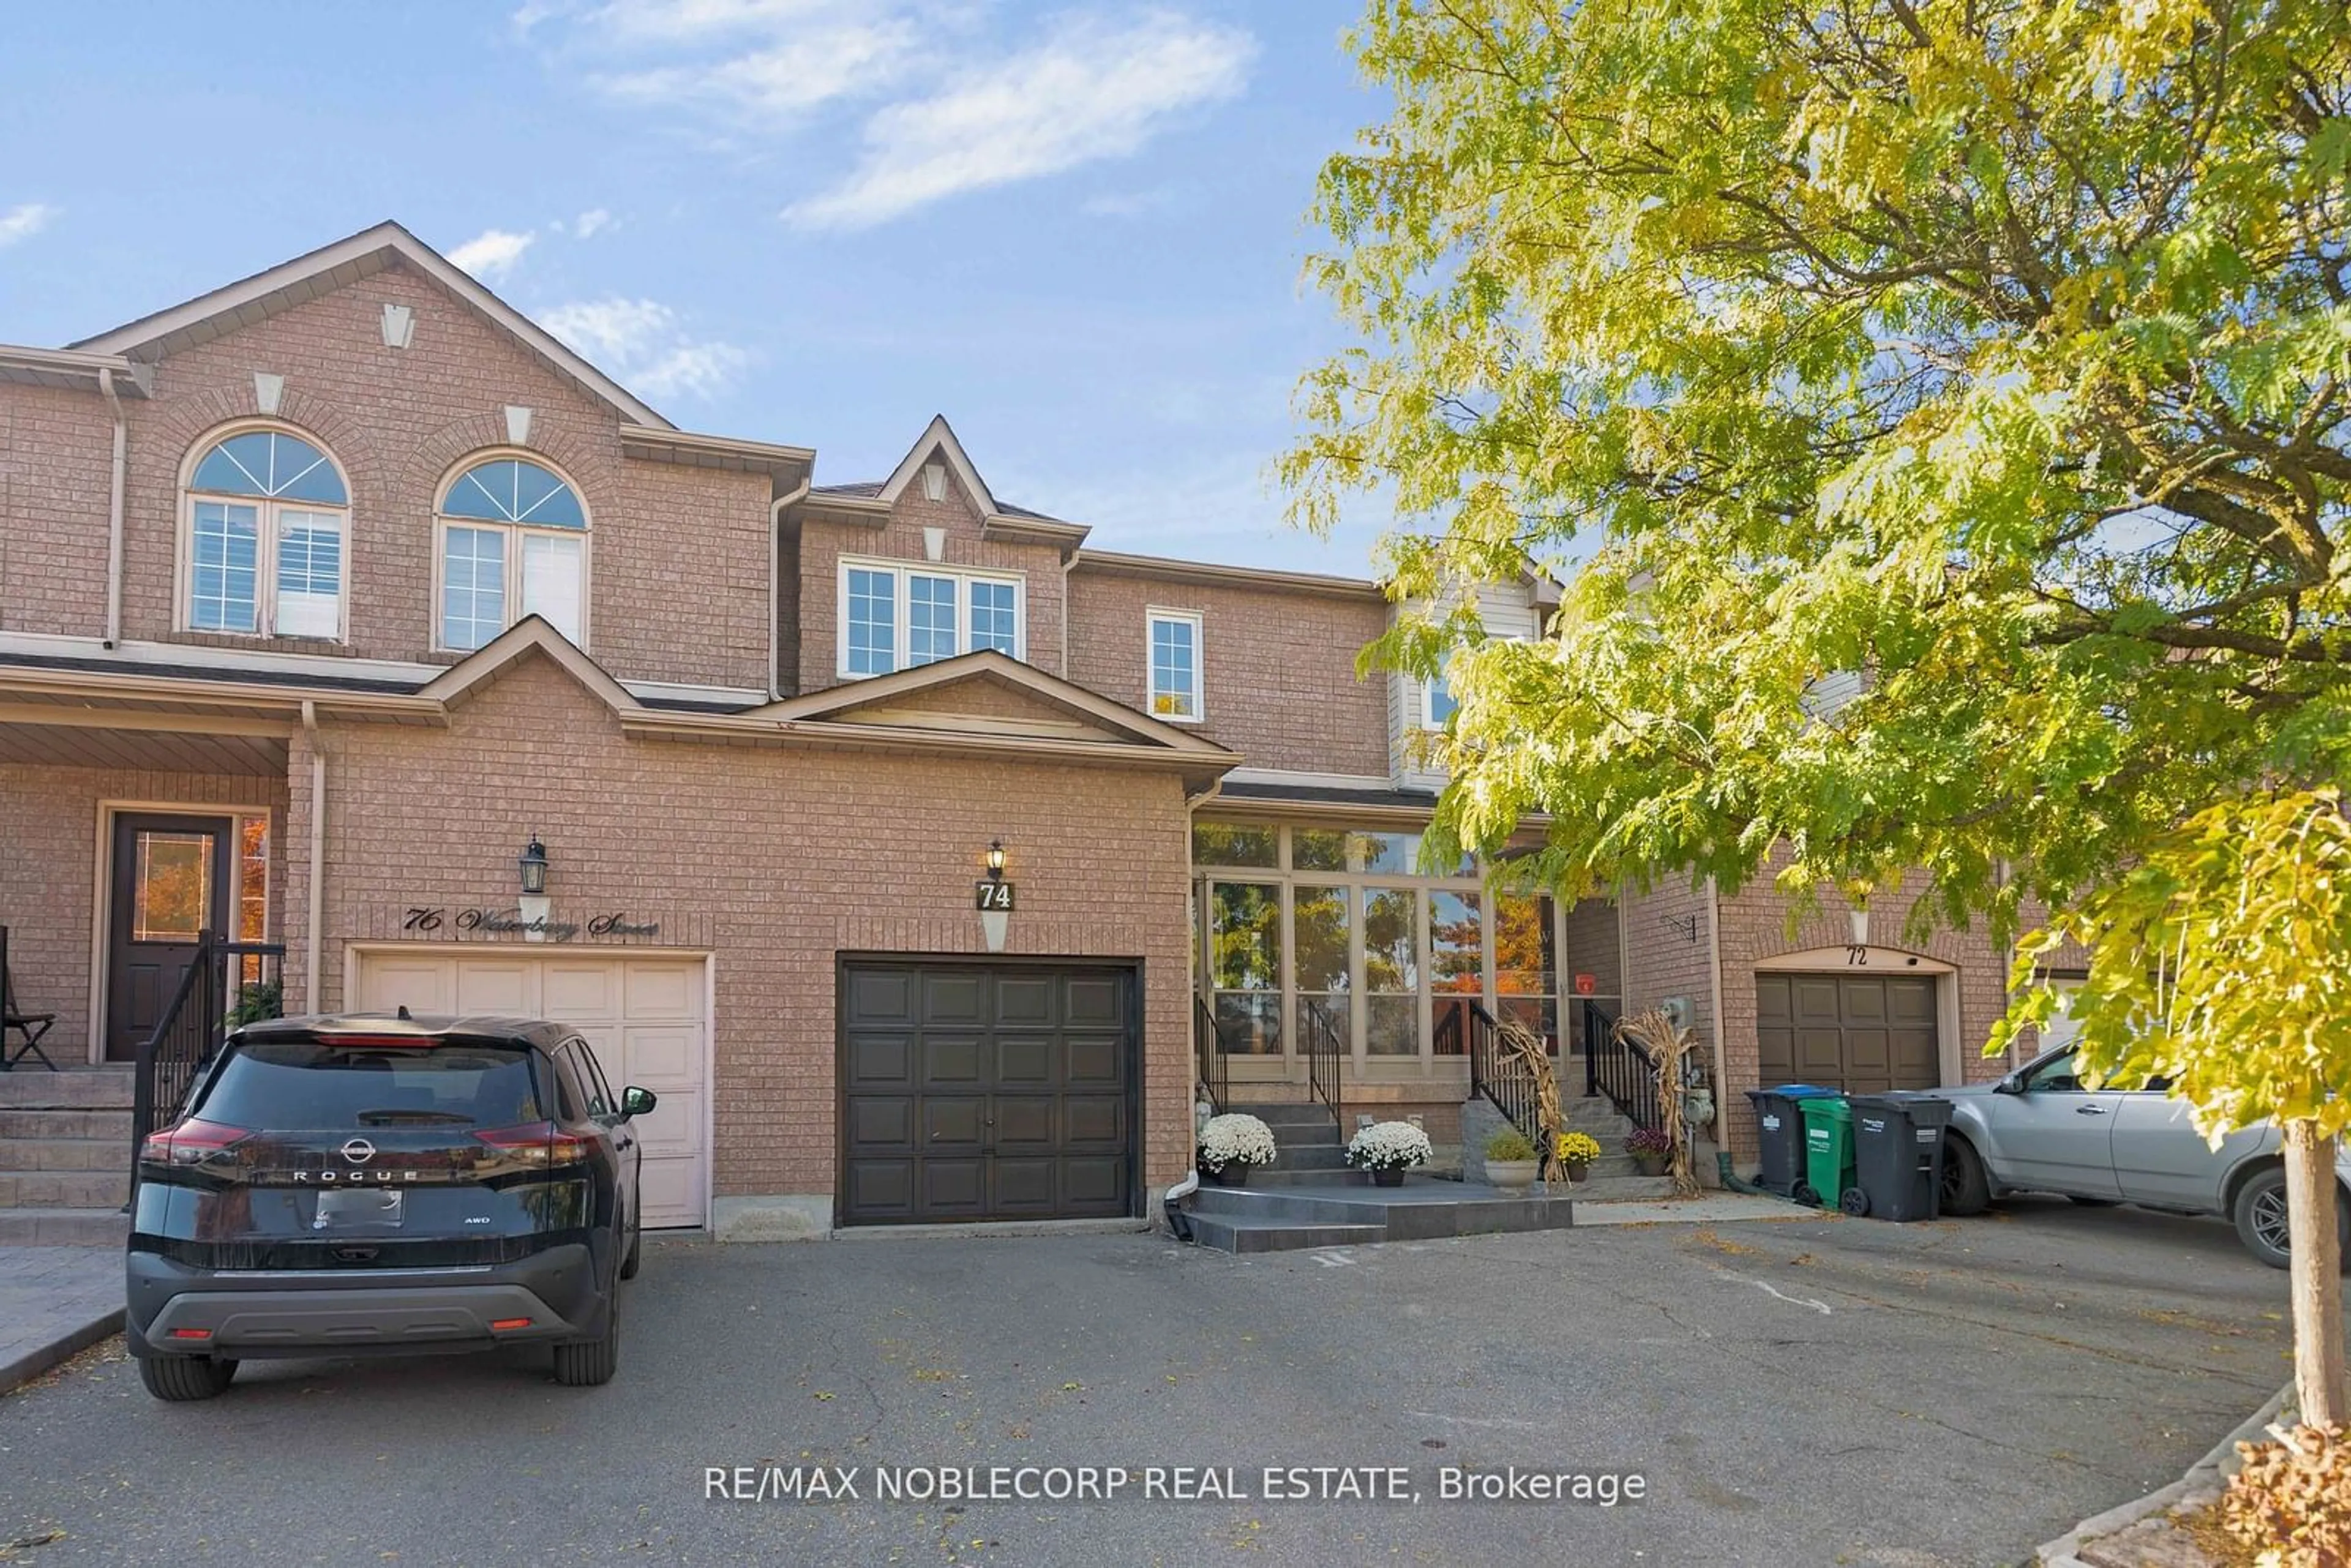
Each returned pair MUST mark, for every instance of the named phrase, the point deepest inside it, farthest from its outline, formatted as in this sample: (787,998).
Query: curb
(2204,1474)
(23,1369)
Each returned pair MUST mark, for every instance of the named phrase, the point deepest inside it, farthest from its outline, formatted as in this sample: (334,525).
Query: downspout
(114,510)
(316,916)
(1068,561)
(776,582)
(1714,1018)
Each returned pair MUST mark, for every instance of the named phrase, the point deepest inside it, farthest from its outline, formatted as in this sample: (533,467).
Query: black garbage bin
(1897,1155)
(1780,1128)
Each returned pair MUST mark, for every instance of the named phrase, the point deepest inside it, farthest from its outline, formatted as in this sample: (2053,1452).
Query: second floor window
(268,517)
(513,542)
(1441,706)
(897,615)
(1176,664)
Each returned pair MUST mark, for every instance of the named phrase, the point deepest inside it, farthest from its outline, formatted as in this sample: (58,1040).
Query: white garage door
(644,1017)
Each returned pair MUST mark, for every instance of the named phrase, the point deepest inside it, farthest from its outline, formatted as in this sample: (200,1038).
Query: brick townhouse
(329,598)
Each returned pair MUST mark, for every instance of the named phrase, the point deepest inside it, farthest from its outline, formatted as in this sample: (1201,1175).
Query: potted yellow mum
(1575,1151)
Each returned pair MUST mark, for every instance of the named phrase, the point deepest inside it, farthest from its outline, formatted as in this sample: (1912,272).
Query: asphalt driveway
(1815,1391)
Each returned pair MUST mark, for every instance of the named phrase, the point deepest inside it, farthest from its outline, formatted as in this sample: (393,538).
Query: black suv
(372,1186)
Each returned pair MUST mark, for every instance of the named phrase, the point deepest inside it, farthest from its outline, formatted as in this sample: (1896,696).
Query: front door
(170,880)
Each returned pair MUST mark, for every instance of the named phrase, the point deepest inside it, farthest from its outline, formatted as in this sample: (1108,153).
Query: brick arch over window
(264,531)
(512,533)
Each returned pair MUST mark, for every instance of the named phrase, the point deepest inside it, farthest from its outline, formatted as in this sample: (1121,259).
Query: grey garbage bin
(1897,1155)
(1779,1129)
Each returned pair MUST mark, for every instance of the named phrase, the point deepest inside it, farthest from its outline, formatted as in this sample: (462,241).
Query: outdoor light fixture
(532,863)
(994,898)
(1857,923)
(996,860)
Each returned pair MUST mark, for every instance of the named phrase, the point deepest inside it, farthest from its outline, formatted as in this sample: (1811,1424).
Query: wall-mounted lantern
(994,898)
(531,865)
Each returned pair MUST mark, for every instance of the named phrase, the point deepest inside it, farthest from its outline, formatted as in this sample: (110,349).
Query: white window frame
(1429,719)
(266,510)
(901,628)
(1152,616)
(515,534)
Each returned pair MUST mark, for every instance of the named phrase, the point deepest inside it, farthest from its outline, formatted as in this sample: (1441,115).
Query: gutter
(776,582)
(114,509)
(316,916)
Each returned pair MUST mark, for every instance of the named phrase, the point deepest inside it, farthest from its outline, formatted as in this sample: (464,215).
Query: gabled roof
(874,498)
(529,634)
(333,267)
(837,703)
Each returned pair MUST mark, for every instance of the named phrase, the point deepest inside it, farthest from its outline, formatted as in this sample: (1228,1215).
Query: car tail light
(537,1142)
(504,1323)
(395,1041)
(192,1333)
(191,1142)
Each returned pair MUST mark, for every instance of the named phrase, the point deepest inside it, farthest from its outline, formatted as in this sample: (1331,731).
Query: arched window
(513,542)
(267,519)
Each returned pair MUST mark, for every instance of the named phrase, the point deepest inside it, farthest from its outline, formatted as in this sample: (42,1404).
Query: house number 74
(993,895)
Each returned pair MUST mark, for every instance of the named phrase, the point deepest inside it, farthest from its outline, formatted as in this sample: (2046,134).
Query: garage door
(986,1091)
(642,1017)
(1861,1034)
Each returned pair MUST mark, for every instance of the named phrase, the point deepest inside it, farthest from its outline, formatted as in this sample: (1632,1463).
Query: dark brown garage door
(986,1091)
(1861,1034)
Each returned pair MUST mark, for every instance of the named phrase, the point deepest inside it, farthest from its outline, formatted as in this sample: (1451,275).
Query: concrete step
(1286,1114)
(85,1088)
(1623,1189)
(1243,1234)
(63,1227)
(110,1125)
(1311,1157)
(64,1189)
(65,1153)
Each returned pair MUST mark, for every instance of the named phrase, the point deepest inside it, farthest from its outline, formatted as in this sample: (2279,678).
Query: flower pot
(1579,1170)
(1388,1176)
(1649,1164)
(1510,1176)
(1235,1173)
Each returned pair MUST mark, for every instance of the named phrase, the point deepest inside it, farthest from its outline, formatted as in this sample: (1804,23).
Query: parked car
(372,1185)
(2039,1130)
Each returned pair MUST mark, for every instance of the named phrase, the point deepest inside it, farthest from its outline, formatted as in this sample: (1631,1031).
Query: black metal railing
(1619,1069)
(226,984)
(1326,1053)
(1508,1082)
(1208,1053)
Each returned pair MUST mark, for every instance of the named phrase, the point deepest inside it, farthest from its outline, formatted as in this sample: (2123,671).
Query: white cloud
(1091,90)
(588,224)
(640,342)
(492,252)
(843,58)
(24,221)
(686,21)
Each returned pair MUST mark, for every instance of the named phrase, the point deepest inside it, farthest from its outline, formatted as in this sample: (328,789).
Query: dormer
(1418,709)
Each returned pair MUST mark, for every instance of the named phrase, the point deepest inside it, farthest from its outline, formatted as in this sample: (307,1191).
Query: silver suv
(2039,1130)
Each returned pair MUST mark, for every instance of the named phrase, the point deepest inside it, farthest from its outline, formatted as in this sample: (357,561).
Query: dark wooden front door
(1861,1034)
(977,1091)
(170,880)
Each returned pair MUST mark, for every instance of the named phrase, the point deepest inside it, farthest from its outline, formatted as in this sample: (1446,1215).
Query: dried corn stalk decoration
(1668,1049)
(1522,1051)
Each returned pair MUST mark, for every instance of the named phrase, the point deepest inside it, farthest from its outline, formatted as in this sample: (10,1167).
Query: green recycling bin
(1828,1152)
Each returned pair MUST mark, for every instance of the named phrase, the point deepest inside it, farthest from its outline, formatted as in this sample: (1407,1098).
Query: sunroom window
(513,542)
(267,518)
(895,615)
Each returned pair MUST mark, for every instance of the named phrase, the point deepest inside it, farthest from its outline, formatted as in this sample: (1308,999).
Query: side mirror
(636,1101)
(2011,1084)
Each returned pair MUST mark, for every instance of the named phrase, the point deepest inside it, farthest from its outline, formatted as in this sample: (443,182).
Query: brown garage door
(973,1091)
(1862,1034)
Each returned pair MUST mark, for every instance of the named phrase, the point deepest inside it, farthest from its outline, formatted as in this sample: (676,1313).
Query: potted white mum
(1232,1145)
(1389,1149)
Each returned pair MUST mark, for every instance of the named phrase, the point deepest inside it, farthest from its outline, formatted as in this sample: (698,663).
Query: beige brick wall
(678,556)
(49,875)
(1280,681)
(775,860)
(823,543)
(55,450)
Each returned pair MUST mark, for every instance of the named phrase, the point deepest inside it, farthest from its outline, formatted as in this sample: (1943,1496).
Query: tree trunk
(2317,1277)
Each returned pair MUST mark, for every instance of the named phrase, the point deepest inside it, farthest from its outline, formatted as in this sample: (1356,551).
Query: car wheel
(2263,1224)
(180,1378)
(2092,1202)
(1967,1190)
(635,1254)
(590,1364)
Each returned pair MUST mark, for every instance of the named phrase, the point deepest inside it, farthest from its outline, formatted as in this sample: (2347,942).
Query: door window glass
(601,1101)
(2057,1075)
(1245,936)
(1391,973)
(173,890)
(1456,968)
(1526,965)
(1320,917)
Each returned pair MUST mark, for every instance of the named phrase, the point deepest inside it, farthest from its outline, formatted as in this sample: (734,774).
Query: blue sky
(1075,231)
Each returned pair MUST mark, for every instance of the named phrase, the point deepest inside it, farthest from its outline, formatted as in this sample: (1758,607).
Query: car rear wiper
(425,1118)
